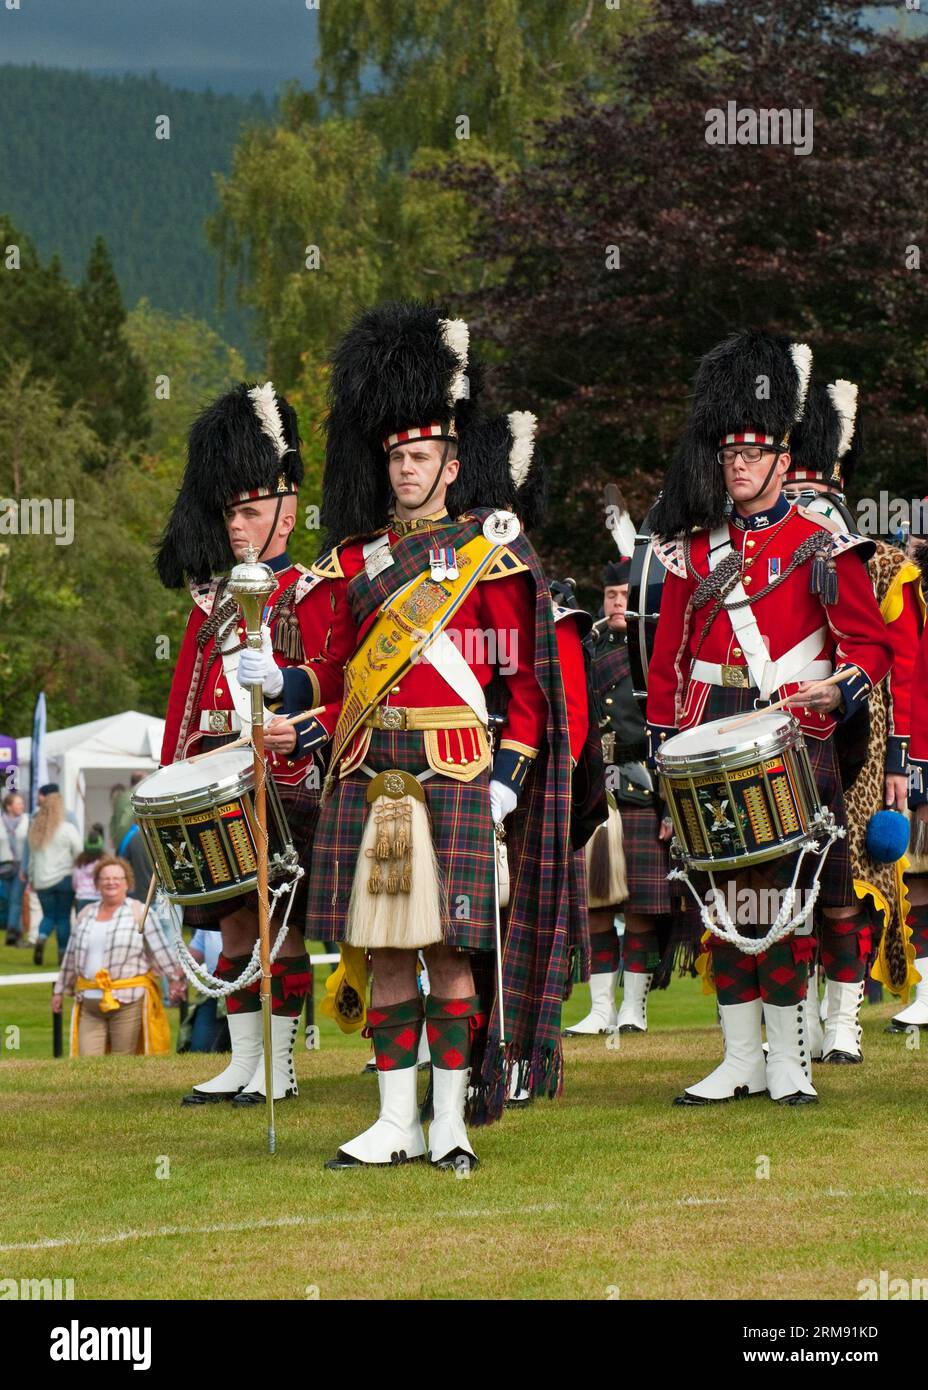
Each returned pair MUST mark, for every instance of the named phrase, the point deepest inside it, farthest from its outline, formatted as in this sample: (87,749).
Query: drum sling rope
(721,924)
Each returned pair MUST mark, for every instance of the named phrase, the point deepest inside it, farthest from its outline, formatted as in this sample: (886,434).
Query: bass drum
(645,586)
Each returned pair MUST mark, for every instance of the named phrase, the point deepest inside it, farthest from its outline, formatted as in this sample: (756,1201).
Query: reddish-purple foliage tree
(824,245)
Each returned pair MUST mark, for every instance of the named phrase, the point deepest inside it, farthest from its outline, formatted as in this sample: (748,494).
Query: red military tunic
(493,628)
(903,613)
(567,622)
(918,748)
(200,703)
(849,632)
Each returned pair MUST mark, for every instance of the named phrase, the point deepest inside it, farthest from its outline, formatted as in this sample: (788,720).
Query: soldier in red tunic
(240,489)
(762,600)
(440,594)
(872,747)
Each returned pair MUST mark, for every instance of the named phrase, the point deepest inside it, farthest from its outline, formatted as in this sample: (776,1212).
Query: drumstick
(298,718)
(793,699)
(153,884)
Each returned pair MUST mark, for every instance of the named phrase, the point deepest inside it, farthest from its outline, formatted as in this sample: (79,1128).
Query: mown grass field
(610,1193)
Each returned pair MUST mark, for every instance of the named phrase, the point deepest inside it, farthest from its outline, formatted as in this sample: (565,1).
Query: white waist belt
(220,721)
(710,673)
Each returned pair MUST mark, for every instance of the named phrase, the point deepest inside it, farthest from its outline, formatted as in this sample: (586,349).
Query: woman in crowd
(54,844)
(111,968)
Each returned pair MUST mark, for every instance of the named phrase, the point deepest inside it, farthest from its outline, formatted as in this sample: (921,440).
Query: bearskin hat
(501,467)
(402,371)
(750,388)
(245,445)
(824,445)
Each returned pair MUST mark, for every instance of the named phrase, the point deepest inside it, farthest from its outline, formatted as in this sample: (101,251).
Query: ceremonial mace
(252,584)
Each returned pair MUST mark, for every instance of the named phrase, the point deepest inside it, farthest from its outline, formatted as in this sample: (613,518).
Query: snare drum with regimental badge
(741,797)
(199,822)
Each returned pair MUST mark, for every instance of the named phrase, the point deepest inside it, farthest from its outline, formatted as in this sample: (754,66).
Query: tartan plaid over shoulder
(543,917)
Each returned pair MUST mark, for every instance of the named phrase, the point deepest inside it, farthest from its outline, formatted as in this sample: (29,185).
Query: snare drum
(740,798)
(199,822)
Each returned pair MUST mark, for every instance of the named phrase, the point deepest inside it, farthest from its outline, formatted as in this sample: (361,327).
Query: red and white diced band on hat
(282,488)
(766,441)
(436,430)
(804,475)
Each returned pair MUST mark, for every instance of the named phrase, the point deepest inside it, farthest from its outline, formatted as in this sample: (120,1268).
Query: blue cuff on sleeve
(311,734)
(511,767)
(918,783)
(897,755)
(298,693)
(656,735)
(856,692)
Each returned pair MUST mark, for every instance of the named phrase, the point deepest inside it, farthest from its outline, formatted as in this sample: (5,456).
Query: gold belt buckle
(219,721)
(392,717)
(735,676)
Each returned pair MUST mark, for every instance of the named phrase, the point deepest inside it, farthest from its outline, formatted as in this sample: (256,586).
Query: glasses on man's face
(727,457)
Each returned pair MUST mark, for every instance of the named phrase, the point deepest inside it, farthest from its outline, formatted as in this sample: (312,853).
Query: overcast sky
(230,45)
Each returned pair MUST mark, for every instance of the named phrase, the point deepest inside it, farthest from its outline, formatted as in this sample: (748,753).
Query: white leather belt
(739,677)
(220,721)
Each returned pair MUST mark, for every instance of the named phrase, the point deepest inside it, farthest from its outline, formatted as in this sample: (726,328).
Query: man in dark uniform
(628,875)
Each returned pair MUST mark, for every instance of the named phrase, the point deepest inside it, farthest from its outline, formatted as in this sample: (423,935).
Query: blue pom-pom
(887,836)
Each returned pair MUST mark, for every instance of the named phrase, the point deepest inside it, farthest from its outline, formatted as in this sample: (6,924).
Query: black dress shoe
(843,1058)
(458,1159)
(11,938)
(797,1098)
(207,1097)
(631,1028)
(741,1093)
(39,953)
(343,1160)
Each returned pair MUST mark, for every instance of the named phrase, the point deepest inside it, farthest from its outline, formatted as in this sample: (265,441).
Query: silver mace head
(251,585)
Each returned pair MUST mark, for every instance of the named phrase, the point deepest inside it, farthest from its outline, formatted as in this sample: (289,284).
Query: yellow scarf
(155,1035)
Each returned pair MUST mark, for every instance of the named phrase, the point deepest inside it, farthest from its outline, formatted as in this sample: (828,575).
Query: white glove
(502,800)
(259,667)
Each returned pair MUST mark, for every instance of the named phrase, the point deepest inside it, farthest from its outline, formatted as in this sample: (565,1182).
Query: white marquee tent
(88,759)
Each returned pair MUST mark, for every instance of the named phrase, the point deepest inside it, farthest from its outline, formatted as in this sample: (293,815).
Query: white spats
(633,1015)
(603,1016)
(789,1068)
(245,1033)
(396,1135)
(815,1033)
(448,1141)
(743,1071)
(915,1014)
(264,400)
(283,1036)
(841,1042)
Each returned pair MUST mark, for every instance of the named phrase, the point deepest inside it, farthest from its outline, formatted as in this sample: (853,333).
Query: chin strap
(273,526)
(766,483)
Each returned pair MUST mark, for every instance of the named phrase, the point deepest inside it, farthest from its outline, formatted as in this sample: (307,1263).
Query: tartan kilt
(647,860)
(301,808)
(836,879)
(462,833)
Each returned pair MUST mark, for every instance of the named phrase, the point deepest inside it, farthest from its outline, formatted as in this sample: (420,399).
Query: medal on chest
(443,563)
(773,568)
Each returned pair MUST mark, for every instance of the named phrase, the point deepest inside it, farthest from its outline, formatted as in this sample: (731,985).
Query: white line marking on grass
(35,977)
(226,1227)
